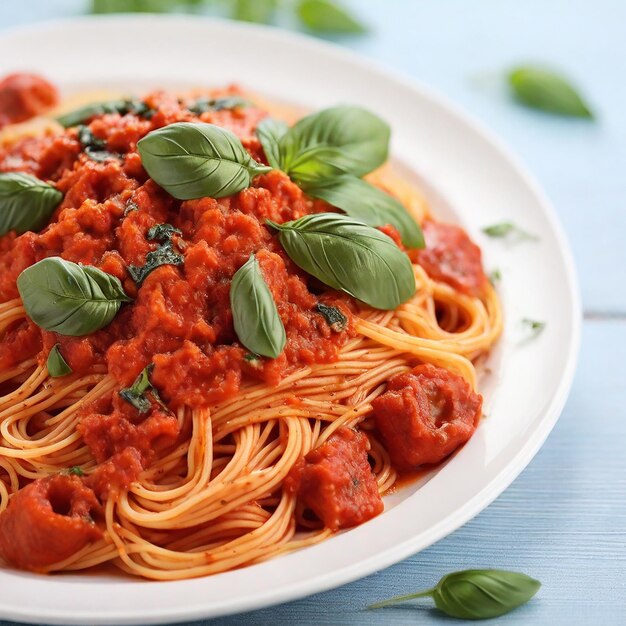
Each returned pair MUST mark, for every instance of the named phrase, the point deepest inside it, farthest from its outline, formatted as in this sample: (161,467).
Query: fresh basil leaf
(26,203)
(70,299)
(543,89)
(259,11)
(328,16)
(351,256)
(198,160)
(93,146)
(339,140)
(75,470)
(333,316)
(163,255)
(137,393)
(202,105)
(88,112)
(270,131)
(369,204)
(255,316)
(482,594)
(504,229)
(135,6)
(475,594)
(57,365)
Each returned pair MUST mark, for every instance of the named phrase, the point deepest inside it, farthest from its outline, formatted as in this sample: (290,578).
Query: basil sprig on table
(543,89)
(351,256)
(475,593)
(56,364)
(122,106)
(26,203)
(138,393)
(327,152)
(163,255)
(255,316)
(196,160)
(70,299)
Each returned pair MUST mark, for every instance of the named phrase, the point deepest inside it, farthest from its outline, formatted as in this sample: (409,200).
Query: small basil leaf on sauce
(26,203)
(196,160)
(270,131)
(88,112)
(255,316)
(138,393)
(202,105)
(75,470)
(329,17)
(369,204)
(351,256)
(57,365)
(70,299)
(333,316)
(94,147)
(339,140)
(163,255)
(538,88)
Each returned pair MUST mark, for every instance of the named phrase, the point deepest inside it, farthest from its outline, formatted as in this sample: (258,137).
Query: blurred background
(563,520)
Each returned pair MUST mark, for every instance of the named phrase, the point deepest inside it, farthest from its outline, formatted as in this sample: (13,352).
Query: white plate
(472,175)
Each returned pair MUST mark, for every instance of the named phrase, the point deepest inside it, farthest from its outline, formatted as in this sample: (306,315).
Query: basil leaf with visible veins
(26,203)
(56,364)
(196,160)
(137,393)
(351,256)
(70,299)
(363,201)
(255,316)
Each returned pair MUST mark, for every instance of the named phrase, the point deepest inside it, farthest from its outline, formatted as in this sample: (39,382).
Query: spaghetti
(214,477)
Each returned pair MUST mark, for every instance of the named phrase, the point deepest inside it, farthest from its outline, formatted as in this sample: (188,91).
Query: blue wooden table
(564,519)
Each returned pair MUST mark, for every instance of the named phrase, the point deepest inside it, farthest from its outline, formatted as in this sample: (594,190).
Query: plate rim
(484,496)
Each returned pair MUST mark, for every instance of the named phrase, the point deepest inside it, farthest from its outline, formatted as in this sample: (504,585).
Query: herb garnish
(70,299)
(333,316)
(88,112)
(539,88)
(76,470)
(93,146)
(202,105)
(163,255)
(196,160)
(130,207)
(137,393)
(504,229)
(475,593)
(536,327)
(351,256)
(26,203)
(56,364)
(255,316)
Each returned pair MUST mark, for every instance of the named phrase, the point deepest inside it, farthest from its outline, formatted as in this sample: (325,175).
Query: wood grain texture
(564,519)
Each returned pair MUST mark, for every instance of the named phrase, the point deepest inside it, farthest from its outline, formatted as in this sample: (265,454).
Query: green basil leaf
(137,393)
(93,146)
(255,316)
(198,160)
(89,111)
(339,140)
(69,299)
(542,89)
(328,16)
(351,256)
(504,229)
(259,11)
(333,316)
(26,203)
(270,131)
(57,365)
(202,105)
(369,204)
(481,594)
(163,255)
(75,470)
